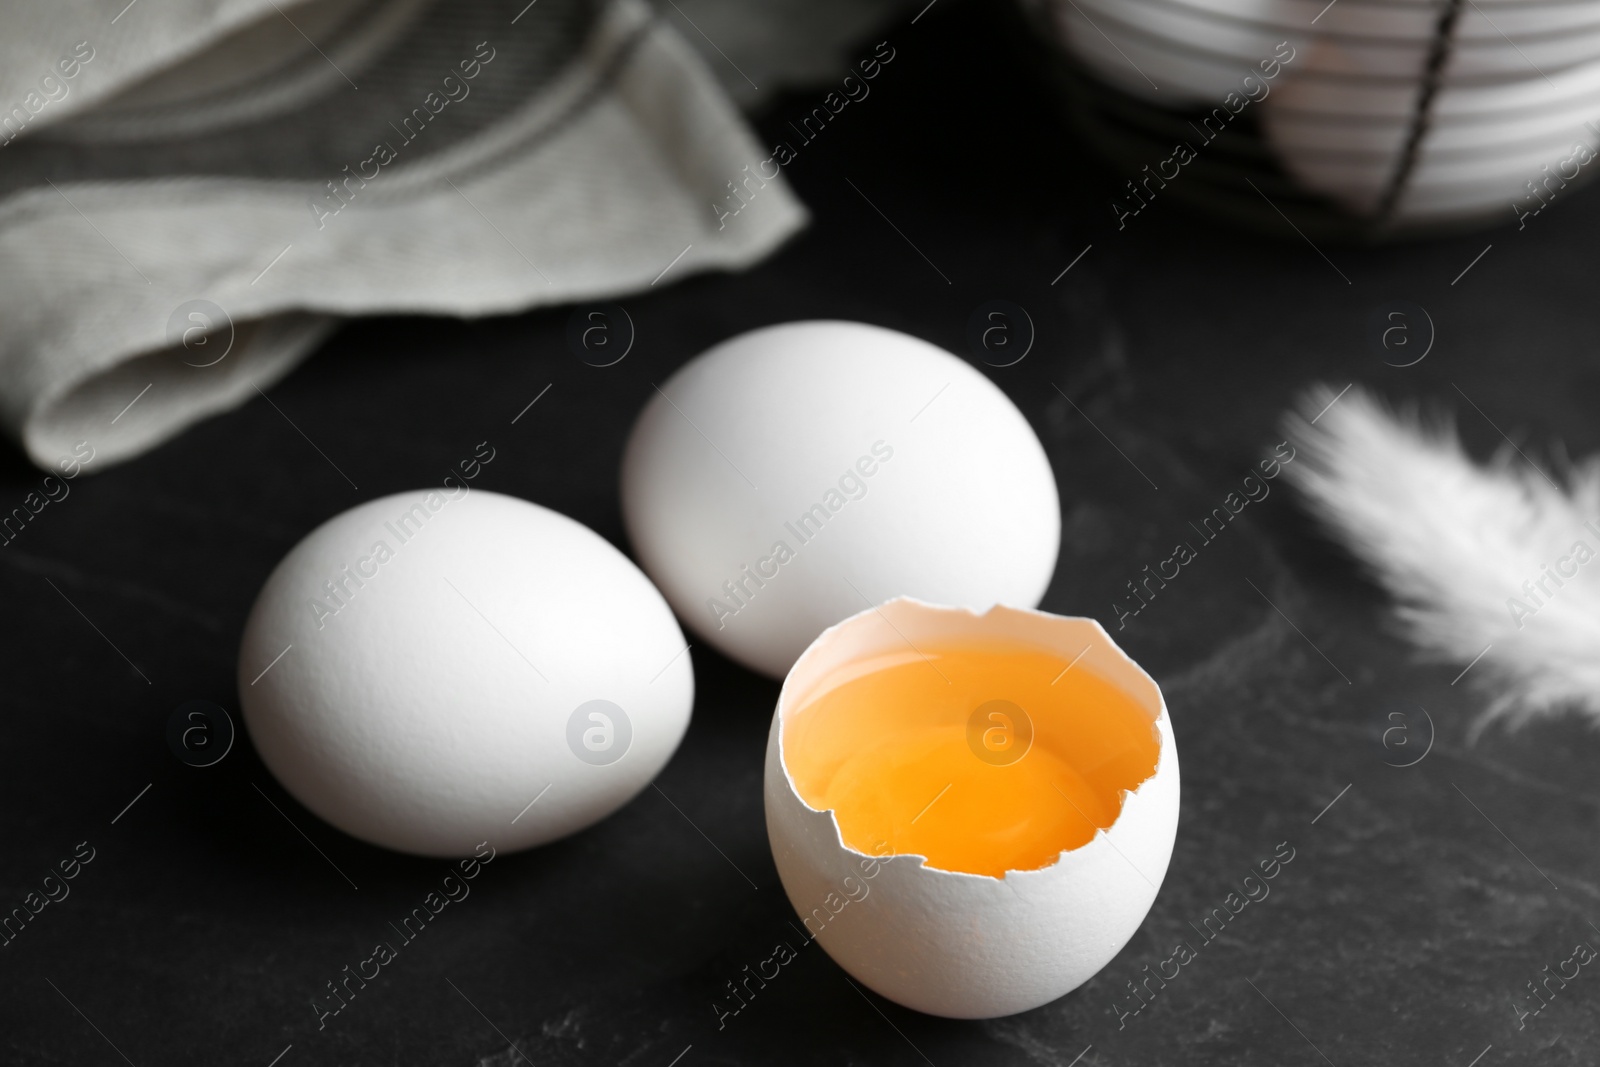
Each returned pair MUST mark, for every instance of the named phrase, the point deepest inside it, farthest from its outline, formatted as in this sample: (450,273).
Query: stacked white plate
(1422,111)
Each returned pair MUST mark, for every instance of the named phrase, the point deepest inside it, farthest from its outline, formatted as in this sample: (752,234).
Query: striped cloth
(193,192)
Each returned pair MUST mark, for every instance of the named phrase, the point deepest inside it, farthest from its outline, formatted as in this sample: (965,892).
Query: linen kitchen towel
(194,192)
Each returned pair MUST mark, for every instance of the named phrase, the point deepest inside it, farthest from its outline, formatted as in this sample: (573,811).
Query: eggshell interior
(964,945)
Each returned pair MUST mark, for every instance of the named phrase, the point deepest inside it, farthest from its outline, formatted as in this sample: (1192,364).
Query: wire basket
(1355,119)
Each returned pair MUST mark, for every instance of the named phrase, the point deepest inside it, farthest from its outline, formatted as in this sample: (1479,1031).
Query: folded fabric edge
(165,380)
(125,402)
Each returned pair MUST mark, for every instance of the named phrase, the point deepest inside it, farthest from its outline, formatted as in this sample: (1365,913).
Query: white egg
(952,943)
(790,476)
(435,669)
(1341,119)
(1174,53)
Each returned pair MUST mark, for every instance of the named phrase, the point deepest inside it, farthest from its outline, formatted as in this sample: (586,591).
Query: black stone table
(1419,901)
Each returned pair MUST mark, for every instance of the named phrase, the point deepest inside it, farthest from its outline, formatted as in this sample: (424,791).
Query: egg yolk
(983,758)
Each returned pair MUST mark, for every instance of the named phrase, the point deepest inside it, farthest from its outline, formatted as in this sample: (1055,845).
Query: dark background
(1403,931)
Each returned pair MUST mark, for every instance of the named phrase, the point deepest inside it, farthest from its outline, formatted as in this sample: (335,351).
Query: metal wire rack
(1362,120)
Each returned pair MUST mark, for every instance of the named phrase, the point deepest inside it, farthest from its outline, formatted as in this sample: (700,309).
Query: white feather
(1454,542)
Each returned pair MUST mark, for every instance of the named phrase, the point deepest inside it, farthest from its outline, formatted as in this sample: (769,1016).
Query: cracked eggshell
(962,945)
(448,689)
(782,423)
